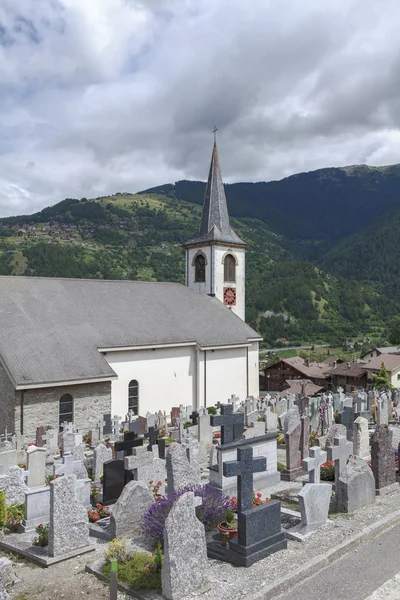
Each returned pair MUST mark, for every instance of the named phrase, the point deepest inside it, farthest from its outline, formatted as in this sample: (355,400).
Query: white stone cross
(340,452)
(67,466)
(312,464)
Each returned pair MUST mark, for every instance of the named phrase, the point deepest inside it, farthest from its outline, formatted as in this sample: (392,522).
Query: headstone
(361,438)
(175,411)
(145,467)
(305,436)
(292,427)
(312,464)
(36,465)
(13,484)
(68,442)
(346,417)
(51,438)
(259,529)
(107,427)
(68,530)
(127,513)
(339,453)
(183,572)
(281,407)
(383,462)
(382,413)
(355,487)
(79,462)
(40,432)
(101,454)
(124,448)
(256,429)
(314,501)
(335,431)
(232,424)
(271,420)
(114,479)
(205,429)
(180,472)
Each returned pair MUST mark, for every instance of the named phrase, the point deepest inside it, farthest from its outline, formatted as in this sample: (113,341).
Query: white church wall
(225,375)
(254,368)
(7,402)
(166,377)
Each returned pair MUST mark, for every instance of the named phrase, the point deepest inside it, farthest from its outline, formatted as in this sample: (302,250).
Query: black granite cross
(193,417)
(152,436)
(228,420)
(127,445)
(243,468)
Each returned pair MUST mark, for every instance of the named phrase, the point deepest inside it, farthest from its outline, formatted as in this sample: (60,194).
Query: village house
(392,364)
(348,375)
(276,377)
(374,352)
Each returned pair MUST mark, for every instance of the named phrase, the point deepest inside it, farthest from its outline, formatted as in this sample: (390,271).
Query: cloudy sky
(100,96)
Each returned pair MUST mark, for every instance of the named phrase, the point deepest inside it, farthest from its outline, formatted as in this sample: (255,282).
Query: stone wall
(7,402)
(41,406)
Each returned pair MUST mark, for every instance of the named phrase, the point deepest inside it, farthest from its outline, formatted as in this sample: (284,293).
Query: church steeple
(215,225)
(215,257)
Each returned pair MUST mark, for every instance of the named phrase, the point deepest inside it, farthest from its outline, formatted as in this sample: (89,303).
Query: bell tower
(215,258)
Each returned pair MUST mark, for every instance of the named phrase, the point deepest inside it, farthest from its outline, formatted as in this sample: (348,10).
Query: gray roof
(51,328)
(215,226)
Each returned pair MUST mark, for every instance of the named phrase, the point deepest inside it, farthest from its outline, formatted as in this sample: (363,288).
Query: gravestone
(361,438)
(271,420)
(335,431)
(355,487)
(292,427)
(107,426)
(305,436)
(40,433)
(69,529)
(68,442)
(175,412)
(256,429)
(382,413)
(346,417)
(124,448)
(180,472)
(145,467)
(197,452)
(8,459)
(183,572)
(281,407)
(36,465)
(79,462)
(13,484)
(101,454)
(314,501)
(312,464)
(339,453)
(205,429)
(114,479)
(383,462)
(259,529)
(127,513)
(51,438)
(232,424)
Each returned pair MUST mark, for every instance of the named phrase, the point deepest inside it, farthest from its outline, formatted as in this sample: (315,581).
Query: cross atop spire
(215,225)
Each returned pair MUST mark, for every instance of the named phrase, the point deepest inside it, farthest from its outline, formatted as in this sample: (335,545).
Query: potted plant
(229,525)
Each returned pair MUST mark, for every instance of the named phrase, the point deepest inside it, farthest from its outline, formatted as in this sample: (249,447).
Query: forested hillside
(323,258)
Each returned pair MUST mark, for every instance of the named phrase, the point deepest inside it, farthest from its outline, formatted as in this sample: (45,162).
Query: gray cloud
(119,95)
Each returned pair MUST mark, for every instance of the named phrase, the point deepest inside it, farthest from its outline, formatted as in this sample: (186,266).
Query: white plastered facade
(186,374)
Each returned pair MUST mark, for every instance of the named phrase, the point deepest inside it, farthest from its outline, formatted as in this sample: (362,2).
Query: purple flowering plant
(211,512)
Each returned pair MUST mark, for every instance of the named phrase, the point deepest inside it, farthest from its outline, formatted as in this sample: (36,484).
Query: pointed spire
(215,226)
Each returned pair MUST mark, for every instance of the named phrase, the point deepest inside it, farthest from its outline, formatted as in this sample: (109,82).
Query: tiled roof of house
(313,370)
(392,362)
(348,369)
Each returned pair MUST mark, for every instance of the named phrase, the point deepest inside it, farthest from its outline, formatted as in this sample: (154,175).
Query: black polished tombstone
(114,480)
(232,423)
(161,448)
(107,427)
(152,436)
(124,448)
(259,529)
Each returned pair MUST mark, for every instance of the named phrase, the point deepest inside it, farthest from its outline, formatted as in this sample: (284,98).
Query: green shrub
(3,509)
(15,514)
(139,572)
(42,538)
(211,410)
(187,424)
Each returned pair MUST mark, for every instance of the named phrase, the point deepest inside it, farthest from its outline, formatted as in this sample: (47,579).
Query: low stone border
(312,567)
(22,544)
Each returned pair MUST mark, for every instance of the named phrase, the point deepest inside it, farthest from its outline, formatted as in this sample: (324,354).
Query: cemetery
(173,506)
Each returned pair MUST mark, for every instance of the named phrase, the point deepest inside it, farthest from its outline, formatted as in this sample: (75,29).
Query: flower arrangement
(328,471)
(313,437)
(210,512)
(94,493)
(101,512)
(87,439)
(118,549)
(155,487)
(280,439)
(257,500)
(50,478)
(217,436)
(42,539)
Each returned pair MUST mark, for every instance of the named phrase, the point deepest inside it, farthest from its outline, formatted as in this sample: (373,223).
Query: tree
(394,331)
(381,381)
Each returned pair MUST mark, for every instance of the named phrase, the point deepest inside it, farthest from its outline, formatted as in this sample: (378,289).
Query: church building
(75,349)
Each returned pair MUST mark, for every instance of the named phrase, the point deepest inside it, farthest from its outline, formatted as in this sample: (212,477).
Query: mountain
(323,259)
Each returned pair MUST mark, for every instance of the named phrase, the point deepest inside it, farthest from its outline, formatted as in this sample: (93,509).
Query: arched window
(229,268)
(133,397)
(66,409)
(200,268)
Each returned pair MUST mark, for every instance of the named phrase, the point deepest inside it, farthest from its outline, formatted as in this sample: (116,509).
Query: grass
(134,572)
(287,353)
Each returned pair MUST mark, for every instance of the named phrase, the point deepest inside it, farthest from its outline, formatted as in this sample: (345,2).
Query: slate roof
(51,328)
(392,362)
(296,387)
(314,370)
(215,225)
(352,369)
